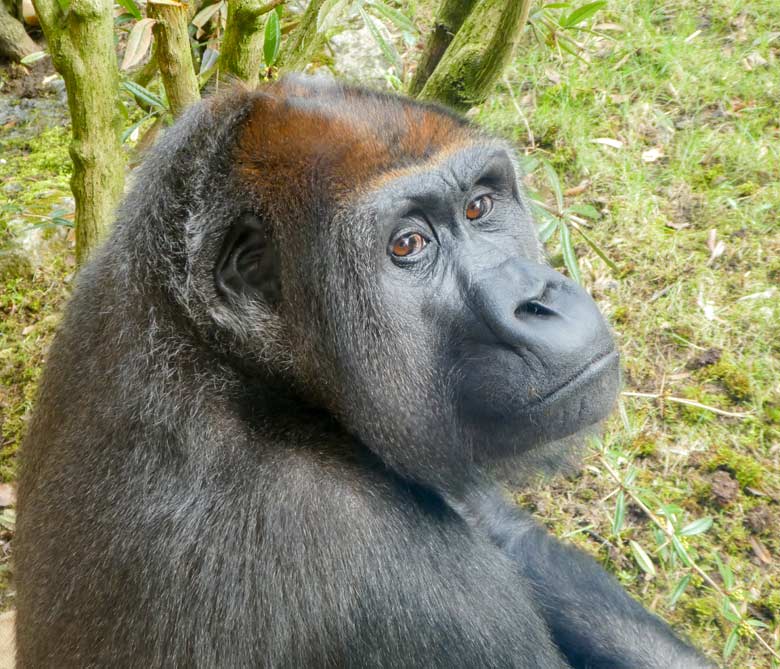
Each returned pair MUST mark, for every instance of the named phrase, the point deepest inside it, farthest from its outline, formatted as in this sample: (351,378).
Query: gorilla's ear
(248,263)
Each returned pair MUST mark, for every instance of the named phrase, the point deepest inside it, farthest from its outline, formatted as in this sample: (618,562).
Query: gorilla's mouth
(595,368)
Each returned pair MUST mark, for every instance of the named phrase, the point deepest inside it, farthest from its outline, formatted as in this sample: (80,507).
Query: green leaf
(696,527)
(555,183)
(527,164)
(679,589)
(272,39)
(129,131)
(670,510)
(548,225)
(620,512)
(757,624)
(642,559)
(725,573)
(731,643)
(64,5)
(681,552)
(546,230)
(728,611)
(570,46)
(569,256)
(144,94)
(329,14)
(131,7)
(597,249)
(387,49)
(633,472)
(582,13)
(395,83)
(586,210)
(401,21)
(33,58)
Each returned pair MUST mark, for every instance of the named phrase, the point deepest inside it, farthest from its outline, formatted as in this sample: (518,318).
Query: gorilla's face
(521,354)
(392,246)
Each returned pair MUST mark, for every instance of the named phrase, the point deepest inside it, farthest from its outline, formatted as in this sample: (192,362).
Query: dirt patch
(724,488)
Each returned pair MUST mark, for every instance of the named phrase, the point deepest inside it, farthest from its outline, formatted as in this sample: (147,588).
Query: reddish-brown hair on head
(299,126)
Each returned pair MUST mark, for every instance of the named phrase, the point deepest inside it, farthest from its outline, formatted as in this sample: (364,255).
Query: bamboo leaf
(546,230)
(555,183)
(129,131)
(329,14)
(582,13)
(138,43)
(569,256)
(633,472)
(681,552)
(131,8)
(679,589)
(33,58)
(401,21)
(272,39)
(642,559)
(205,14)
(387,49)
(620,512)
(731,643)
(144,94)
(586,210)
(696,527)
(597,249)
(727,609)
(757,624)
(725,573)
(208,60)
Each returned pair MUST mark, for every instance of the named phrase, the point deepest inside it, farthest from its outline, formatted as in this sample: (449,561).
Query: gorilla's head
(380,260)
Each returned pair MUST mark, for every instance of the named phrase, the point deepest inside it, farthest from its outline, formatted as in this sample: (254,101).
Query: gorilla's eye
(408,245)
(479,207)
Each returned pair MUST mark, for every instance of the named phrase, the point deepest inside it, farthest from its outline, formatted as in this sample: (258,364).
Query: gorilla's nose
(531,307)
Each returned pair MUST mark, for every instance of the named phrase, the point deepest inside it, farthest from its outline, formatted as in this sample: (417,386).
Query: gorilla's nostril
(535,308)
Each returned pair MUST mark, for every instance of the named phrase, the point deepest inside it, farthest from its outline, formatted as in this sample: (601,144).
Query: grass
(689,327)
(682,87)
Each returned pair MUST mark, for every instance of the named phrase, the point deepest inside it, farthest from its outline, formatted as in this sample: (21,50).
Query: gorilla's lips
(521,415)
(601,366)
(584,399)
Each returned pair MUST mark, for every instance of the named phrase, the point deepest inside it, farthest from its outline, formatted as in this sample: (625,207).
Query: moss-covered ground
(688,195)
(690,91)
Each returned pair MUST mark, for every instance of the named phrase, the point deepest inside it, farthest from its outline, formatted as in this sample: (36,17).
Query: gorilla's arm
(592,619)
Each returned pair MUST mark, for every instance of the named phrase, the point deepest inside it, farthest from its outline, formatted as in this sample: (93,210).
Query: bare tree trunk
(15,43)
(242,43)
(81,44)
(304,42)
(174,56)
(449,18)
(481,49)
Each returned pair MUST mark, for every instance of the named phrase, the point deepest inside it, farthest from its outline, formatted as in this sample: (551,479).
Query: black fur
(275,474)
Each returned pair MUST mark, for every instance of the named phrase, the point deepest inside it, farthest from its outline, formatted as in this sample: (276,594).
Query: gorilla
(268,425)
